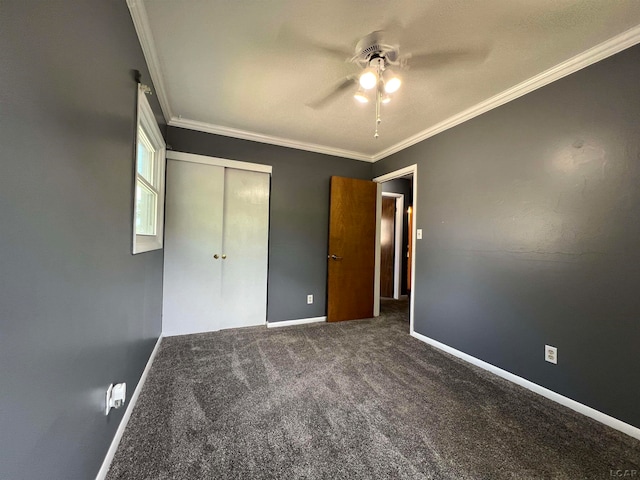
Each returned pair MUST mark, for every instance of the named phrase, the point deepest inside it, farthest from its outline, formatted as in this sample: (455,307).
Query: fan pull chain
(378,120)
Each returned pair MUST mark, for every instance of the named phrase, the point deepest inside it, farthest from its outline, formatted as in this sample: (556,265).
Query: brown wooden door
(351,259)
(387,246)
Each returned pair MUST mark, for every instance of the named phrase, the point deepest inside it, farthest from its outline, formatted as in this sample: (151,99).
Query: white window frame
(147,122)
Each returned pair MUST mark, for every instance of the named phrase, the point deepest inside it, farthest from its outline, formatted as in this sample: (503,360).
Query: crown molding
(259,137)
(593,55)
(141,23)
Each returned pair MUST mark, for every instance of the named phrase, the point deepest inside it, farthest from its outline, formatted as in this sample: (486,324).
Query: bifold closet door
(245,244)
(193,235)
(215,248)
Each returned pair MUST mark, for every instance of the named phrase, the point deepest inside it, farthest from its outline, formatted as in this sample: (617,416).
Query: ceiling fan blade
(334,92)
(391,31)
(294,38)
(419,61)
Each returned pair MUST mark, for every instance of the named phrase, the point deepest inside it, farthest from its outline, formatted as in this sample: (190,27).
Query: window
(148,211)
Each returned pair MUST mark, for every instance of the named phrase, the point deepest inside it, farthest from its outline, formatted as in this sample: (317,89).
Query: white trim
(397,281)
(593,55)
(104,469)
(377,253)
(146,122)
(410,170)
(397,234)
(218,162)
(301,321)
(403,172)
(141,23)
(414,223)
(269,139)
(588,57)
(534,387)
(145,36)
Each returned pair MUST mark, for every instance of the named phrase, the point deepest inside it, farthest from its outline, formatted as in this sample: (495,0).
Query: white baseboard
(302,321)
(104,469)
(545,392)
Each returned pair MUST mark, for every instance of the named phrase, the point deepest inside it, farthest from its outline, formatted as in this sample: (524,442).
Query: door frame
(413,170)
(220,162)
(226,163)
(397,242)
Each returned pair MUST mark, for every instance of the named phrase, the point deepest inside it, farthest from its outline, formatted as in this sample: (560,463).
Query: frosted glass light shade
(391,81)
(361,96)
(368,79)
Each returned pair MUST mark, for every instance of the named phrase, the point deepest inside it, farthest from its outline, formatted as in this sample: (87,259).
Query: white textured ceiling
(231,67)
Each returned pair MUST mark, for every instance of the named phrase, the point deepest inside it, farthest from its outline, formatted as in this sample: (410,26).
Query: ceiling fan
(375,55)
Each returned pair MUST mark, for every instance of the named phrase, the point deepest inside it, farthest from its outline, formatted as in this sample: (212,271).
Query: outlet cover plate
(551,354)
(309,299)
(108,400)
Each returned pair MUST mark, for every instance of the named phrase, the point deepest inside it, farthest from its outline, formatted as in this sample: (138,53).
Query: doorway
(408,211)
(392,245)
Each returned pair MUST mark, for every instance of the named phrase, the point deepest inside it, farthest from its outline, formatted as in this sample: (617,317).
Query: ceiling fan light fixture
(361,96)
(368,78)
(391,81)
(386,98)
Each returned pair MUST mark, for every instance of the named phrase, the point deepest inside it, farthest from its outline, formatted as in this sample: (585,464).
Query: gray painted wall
(405,187)
(531,229)
(77,310)
(299,215)
(529,213)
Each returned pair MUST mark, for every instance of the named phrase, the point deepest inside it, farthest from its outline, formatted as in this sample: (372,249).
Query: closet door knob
(224,256)
(216,256)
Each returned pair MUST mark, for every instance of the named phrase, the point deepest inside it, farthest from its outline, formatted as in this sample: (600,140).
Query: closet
(215,244)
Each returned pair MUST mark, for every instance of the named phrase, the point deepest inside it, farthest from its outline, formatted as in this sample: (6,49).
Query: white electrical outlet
(309,299)
(419,234)
(551,354)
(116,396)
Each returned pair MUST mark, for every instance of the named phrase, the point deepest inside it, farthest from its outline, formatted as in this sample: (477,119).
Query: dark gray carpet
(353,400)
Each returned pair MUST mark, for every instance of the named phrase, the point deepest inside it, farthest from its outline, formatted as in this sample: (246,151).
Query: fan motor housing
(372,47)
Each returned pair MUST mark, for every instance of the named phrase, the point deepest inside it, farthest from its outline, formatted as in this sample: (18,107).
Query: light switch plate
(419,234)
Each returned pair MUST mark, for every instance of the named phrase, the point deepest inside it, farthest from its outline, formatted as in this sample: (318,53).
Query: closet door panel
(193,234)
(245,243)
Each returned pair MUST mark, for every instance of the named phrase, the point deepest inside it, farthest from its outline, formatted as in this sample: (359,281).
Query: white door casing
(413,171)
